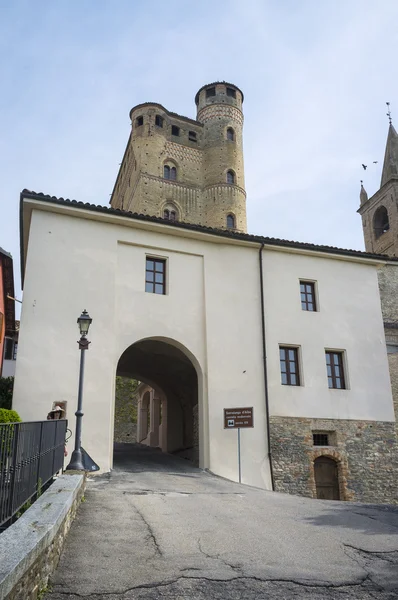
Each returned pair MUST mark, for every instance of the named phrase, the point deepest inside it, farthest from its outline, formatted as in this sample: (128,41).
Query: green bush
(6,388)
(9,416)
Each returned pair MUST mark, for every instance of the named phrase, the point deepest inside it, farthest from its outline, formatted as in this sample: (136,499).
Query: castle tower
(380,211)
(184,169)
(219,108)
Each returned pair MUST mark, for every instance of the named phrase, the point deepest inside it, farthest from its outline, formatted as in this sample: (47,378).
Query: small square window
(210,92)
(192,136)
(155,276)
(335,370)
(307,295)
(139,121)
(231,92)
(159,121)
(175,130)
(288,358)
(320,439)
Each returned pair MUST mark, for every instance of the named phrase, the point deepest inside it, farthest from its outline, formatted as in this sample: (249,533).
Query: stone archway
(169,379)
(326,478)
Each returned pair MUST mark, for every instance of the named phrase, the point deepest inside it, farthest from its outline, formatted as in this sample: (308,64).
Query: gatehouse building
(208,317)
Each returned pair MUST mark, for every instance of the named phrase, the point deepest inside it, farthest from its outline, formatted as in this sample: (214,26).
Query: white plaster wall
(211,312)
(75,263)
(349,319)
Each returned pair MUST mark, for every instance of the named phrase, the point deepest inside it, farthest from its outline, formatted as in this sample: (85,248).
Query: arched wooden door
(326,478)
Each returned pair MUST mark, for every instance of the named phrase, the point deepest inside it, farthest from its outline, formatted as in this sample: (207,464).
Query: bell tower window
(230,134)
(381,223)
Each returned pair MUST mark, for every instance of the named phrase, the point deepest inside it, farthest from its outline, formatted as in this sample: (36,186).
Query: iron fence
(30,455)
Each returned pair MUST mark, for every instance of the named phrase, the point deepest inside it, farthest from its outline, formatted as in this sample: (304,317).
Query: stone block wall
(126,400)
(31,548)
(366,453)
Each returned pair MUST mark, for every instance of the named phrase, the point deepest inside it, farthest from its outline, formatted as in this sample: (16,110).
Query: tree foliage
(9,416)
(6,389)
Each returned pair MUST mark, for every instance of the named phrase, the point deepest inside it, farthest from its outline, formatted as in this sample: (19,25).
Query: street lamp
(76,461)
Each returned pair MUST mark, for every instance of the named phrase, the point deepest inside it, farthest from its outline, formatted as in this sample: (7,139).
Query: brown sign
(236,418)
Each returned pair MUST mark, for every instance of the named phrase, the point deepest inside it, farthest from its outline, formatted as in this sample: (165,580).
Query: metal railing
(31,454)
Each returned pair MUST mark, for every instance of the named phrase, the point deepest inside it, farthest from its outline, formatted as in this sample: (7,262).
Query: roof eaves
(201,228)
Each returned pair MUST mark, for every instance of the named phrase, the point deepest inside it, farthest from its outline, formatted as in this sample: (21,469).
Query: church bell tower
(380,212)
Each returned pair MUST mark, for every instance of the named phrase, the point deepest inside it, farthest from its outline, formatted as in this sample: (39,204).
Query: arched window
(170,213)
(230,134)
(169,173)
(230,222)
(381,223)
(230,177)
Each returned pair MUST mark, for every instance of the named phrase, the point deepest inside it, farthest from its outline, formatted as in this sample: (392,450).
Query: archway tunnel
(167,397)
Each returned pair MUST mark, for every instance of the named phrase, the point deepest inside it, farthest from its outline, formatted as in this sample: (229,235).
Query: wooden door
(326,478)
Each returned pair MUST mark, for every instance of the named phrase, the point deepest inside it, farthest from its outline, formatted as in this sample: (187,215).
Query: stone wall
(31,548)
(365,451)
(126,400)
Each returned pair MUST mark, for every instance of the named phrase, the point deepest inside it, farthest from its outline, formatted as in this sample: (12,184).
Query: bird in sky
(375,162)
(364,167)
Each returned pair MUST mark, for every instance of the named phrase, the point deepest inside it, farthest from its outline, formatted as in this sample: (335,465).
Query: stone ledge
(30,548)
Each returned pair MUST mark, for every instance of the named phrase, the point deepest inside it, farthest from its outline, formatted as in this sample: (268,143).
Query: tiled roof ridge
(205,229)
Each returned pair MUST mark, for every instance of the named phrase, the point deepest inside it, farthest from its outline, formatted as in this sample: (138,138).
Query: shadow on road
(367,518)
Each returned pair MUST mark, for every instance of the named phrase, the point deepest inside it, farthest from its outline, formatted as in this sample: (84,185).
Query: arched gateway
(168,406)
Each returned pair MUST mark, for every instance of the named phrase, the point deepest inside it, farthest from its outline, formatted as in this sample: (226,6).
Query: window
(8,348)
(307,294)
(230,222)
(231,92)
(320,439)
(139,121)
(171,215)
(159,121)
(210,92)
(230,177)
(230,134)
(175,130)
(381,223)
(14,354)
(169,173)
(335,370)
(192,136)
(289,365)
(155,275)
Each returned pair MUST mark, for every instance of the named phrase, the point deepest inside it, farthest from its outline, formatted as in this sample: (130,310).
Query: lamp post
(76,461)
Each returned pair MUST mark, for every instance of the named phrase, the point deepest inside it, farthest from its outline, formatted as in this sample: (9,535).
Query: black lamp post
(76,461)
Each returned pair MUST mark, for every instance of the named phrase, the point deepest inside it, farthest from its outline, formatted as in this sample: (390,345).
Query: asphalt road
(159,528)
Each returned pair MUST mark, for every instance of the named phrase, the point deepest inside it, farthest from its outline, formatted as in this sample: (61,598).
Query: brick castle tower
(184,169)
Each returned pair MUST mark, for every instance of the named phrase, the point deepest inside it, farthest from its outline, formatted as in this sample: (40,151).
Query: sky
(315,74)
